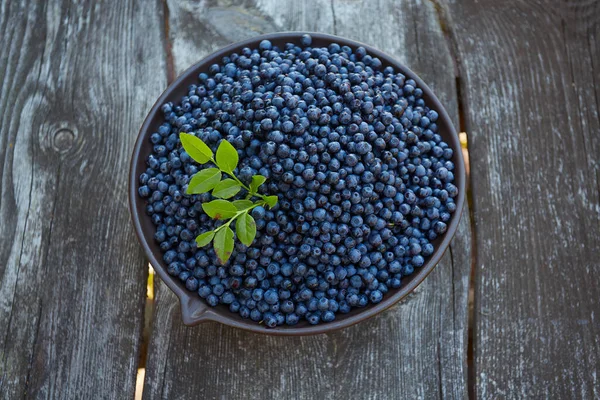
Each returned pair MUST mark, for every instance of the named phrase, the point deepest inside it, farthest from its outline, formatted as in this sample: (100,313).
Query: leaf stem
(236,216)
(235,178)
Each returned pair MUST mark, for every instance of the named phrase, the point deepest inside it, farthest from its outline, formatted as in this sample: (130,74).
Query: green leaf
(227,157)
(243,204)
(245,228)
(257,180)
(196,148)
(204,238)
(223,244)
(226,188)
(203,181)
(219,209)
(271,200)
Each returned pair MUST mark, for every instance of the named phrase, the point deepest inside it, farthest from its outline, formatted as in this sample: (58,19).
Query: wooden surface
(415,350)
(531,80)
(75,83)
(521,77)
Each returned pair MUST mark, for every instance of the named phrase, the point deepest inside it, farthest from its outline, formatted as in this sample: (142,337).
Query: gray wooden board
(531,78)
(75,83)
(415,350)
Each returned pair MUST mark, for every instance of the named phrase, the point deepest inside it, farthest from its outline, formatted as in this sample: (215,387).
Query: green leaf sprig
(208,179)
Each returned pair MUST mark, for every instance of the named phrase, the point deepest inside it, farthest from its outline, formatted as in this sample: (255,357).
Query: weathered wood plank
(415,350)
(531,78)
(75,83)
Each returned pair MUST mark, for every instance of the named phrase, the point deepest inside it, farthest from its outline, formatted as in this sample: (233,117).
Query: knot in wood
(63,140)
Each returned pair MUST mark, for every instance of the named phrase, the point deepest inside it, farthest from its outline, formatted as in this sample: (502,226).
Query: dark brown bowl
(193,308)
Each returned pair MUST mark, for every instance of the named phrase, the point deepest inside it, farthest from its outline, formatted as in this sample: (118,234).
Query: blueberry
(375,296)
(265,45)
(287,306)
(356,281)
(256,315)
(144,191)
(301,309)
(363,300)
(269,320)
(354,255)
(272,228)
(257,294)
(212,300)
(439,227)
(218,289)
(323,304)
(235,307)
(258,212)
(163,186)
(191,284)
(204,291)
(291,319)
(271,296)
(313,318)
(328,316)
(244,312)
(356,221)
(169,256)
(305,294)
(227,298)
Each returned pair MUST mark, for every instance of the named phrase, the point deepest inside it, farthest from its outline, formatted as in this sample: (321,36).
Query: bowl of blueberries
(295,183)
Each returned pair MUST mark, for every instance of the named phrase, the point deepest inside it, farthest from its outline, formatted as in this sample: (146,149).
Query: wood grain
(531,79)
(415,350)
(75,83)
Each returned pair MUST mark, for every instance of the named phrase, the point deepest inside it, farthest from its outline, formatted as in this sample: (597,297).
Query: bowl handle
(194,311)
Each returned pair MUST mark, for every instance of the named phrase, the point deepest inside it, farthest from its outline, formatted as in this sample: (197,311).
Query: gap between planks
(150,292)
(445,23)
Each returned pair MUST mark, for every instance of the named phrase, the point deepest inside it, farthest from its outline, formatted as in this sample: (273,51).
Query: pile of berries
(364,181)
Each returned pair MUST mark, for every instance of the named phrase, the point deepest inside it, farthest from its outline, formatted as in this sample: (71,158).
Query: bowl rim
(193,312)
